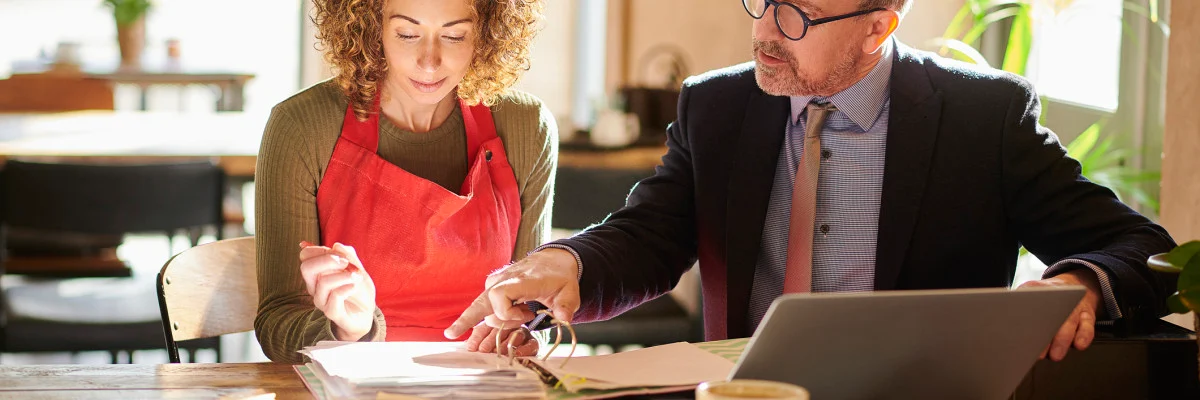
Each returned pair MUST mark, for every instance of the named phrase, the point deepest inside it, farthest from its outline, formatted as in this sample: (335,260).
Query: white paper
(676,364)
(358,361)
(429,370)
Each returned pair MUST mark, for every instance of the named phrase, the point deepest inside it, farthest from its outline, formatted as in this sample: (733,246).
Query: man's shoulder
(731,84)
(732,76)
(952,76)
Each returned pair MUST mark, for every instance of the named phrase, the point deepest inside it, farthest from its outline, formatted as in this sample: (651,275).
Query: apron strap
(365,134)
(480,127)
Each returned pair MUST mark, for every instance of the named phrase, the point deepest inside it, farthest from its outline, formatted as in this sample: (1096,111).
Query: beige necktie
(798,278)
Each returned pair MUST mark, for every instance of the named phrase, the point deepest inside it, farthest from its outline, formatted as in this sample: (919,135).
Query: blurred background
(192,82)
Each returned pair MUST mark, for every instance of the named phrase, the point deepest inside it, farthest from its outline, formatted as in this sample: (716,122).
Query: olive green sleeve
(530,134)
(286,180)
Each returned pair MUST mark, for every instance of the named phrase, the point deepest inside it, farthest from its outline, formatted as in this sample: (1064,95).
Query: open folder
(443,370)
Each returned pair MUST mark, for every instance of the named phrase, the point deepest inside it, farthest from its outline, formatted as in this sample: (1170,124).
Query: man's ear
(883,25)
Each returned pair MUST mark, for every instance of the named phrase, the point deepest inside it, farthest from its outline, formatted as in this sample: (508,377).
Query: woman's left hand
(483,339)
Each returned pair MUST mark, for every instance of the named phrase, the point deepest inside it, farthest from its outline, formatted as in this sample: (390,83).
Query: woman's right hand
(340,288)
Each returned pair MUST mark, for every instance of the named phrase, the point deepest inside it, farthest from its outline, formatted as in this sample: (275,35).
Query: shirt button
(825,229)
(826,154)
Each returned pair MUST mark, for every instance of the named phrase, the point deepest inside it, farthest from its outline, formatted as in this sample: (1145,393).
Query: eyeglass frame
(808,22)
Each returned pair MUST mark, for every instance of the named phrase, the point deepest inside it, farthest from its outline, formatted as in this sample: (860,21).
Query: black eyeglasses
(791,21)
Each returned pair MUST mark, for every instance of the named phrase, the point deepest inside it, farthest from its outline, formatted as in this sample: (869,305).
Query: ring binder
(545,376)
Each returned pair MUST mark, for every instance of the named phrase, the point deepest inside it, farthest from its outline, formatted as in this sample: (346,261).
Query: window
(1077,54)
(260,37)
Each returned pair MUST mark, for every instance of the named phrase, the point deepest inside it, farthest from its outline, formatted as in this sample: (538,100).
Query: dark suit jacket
(969,177)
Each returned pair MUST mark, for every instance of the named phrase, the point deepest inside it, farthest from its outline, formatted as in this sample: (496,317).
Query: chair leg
(194,235)
(113,356)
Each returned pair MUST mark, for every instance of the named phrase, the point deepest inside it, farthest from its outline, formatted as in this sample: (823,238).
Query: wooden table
(230,85)
(632,158)
(231,139)
(145,381)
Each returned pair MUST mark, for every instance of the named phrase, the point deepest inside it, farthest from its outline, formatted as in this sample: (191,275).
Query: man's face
(821,62)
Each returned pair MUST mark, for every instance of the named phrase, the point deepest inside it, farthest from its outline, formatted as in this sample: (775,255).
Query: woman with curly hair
(405,179)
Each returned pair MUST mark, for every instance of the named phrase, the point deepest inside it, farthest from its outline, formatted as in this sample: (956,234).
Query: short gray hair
(900,6)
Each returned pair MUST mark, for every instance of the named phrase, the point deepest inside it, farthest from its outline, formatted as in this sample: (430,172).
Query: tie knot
(821,107)
(817,114)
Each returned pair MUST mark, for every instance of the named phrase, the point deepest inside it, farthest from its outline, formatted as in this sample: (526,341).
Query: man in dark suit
(840,160)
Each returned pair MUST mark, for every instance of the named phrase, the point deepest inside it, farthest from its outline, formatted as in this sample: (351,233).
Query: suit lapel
(751,176)
(911,139)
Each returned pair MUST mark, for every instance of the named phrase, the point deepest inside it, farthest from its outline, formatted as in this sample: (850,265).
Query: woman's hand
(340,288)
(483,339)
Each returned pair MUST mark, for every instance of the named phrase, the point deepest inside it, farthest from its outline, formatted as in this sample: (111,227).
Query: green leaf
(1156,263)
(1110,159)
(1190,299)
(960,51)
(1100,159)
(1175,304)
(1147,200)
(1183,254)
(1140,177)
(987,20)
(959,23)
(979,7)
(1084,143)
(1020,41)
(127,11)
(1189,282)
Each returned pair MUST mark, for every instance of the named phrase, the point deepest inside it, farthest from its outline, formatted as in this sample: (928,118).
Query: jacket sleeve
(1058,214)
(639,252)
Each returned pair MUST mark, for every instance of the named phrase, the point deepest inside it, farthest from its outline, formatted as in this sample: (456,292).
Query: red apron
(428,250)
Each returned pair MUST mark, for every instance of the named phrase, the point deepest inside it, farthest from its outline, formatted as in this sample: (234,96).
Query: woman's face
(429,45)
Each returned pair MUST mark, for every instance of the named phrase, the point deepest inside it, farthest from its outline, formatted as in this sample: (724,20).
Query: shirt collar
(862,102)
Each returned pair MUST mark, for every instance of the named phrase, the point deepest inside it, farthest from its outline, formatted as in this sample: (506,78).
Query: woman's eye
(402,36)
(455,39)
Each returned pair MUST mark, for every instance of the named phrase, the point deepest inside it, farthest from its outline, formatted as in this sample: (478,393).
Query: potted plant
(1185,261)
(131,29)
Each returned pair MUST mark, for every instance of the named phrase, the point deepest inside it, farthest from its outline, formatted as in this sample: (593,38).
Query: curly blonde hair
(351,35)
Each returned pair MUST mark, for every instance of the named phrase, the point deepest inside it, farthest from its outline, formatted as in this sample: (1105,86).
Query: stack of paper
(427,370)
(659,369)
(341,370)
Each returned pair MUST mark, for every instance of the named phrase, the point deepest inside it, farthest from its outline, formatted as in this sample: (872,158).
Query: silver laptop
(929,344)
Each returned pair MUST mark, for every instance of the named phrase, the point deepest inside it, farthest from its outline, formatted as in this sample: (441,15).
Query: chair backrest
(208,291)
(54,93)
(111,199)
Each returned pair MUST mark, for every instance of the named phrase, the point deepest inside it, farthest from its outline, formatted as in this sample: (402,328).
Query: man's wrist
(568,252)
(1093,274)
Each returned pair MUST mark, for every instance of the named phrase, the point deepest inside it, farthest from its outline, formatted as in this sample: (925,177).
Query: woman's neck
(412,116)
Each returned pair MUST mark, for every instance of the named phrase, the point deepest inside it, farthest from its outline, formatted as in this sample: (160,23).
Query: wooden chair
(208,291)
(54,93)
(48,205)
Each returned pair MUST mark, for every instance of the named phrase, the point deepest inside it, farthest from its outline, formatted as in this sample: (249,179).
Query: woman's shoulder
(308,123)
(323,99)
(513,98)
(524,118)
